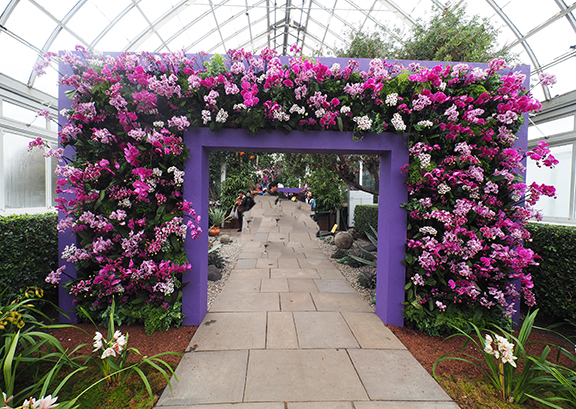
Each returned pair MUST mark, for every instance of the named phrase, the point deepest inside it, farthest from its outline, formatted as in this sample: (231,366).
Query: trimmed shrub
(364,217)
(555,277)
(28,251)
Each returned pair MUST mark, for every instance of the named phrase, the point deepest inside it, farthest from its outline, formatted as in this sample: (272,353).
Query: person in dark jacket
(241,204)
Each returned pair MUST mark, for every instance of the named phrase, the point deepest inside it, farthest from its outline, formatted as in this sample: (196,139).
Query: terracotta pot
(214,231)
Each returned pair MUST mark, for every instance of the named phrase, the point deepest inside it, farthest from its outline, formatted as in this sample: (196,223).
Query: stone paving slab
(296,302)
(319,405)
(246,263)
(244,285)
(229,301)
(230,331)
(208,377)
(266,263)
(331,273)
(294,273)
(333,286)
(340,302)
(284,262)
(274,285)
(241,274)
(302,285)
(302,375)
(395,375)
(315,263)
(281,331)
(278,237)
(245,254)
(405,405)
(323,330)
(317,255)
(371,332)
(256,405)
(304,237)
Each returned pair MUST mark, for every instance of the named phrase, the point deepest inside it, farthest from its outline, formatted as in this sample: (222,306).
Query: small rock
(224,239)
(353,232)
(370,247)
(214,273)
(344,240)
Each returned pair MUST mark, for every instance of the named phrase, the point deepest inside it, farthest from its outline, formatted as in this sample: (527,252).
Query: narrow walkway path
(289,332)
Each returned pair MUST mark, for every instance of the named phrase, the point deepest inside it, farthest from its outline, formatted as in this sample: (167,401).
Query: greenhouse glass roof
(542,32)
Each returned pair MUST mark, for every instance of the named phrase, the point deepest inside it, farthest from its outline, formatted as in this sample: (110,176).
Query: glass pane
(550,128)
(54,178)
(560,177)
(24,174)
(24,115)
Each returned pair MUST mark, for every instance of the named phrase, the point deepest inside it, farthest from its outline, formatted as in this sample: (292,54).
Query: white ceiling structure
(542,32)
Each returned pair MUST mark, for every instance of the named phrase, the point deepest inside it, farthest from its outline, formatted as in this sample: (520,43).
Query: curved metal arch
(8,11)
(111,25)
(61,25)
(519,36)
(570,17)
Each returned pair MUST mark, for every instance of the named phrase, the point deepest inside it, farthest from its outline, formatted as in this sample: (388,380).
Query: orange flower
(241,153)
(252,156)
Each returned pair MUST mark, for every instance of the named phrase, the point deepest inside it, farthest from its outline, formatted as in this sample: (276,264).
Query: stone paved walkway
(289,332)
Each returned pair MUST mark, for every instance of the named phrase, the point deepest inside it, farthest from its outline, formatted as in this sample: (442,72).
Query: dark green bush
(364,217)
(555,277)
(28,251)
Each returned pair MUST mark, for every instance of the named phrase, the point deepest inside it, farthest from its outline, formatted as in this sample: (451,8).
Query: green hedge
(555,277)
(364,217)
(28,251)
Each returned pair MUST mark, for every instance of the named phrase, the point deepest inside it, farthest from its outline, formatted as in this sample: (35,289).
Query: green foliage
(328,190)
(447,36)
(555,276)
(215,66)
(234,183)
(214,257)
(218,216)
(28,251)
(111,354)
(503,354)
(30,359)
(365,217)
(367,278)
(435,322)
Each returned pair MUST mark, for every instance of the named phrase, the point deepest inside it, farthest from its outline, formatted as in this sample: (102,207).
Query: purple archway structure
(393,154)
(391,217)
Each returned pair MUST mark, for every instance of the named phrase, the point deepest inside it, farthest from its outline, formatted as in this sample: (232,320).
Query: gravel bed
(231,252)
(350,273)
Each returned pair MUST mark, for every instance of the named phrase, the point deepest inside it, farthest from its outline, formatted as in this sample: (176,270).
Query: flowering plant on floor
(111,354)
(503,354)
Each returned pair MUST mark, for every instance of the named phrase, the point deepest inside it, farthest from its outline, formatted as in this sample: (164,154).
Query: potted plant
(217,217)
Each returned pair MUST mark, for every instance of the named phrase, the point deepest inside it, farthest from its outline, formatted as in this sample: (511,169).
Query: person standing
(241,204)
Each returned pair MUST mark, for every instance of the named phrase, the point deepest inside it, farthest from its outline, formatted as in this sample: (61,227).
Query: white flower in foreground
(108,352)
(97,341)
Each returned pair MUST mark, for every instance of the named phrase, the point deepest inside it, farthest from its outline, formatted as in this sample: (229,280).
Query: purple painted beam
(392,218)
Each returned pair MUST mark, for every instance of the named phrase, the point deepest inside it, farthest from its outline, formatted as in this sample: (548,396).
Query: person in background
(249,201)
(310,200)
(241,204)
(273,188)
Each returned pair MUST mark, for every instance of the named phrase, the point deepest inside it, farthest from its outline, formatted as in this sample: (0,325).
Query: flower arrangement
(124,185)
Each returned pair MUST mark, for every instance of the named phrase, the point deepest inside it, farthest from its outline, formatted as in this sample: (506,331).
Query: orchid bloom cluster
(466,214)
(112,347)
(47,402)
(500,348)
(122,194)
(267,175)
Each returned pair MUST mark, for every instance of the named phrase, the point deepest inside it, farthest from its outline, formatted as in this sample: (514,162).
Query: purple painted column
(196,190)
(68,238)
(391,273)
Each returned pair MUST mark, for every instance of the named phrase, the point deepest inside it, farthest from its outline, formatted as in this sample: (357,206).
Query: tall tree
(448,36)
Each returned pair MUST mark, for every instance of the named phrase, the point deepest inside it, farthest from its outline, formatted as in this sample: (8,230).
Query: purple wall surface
(391,217)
